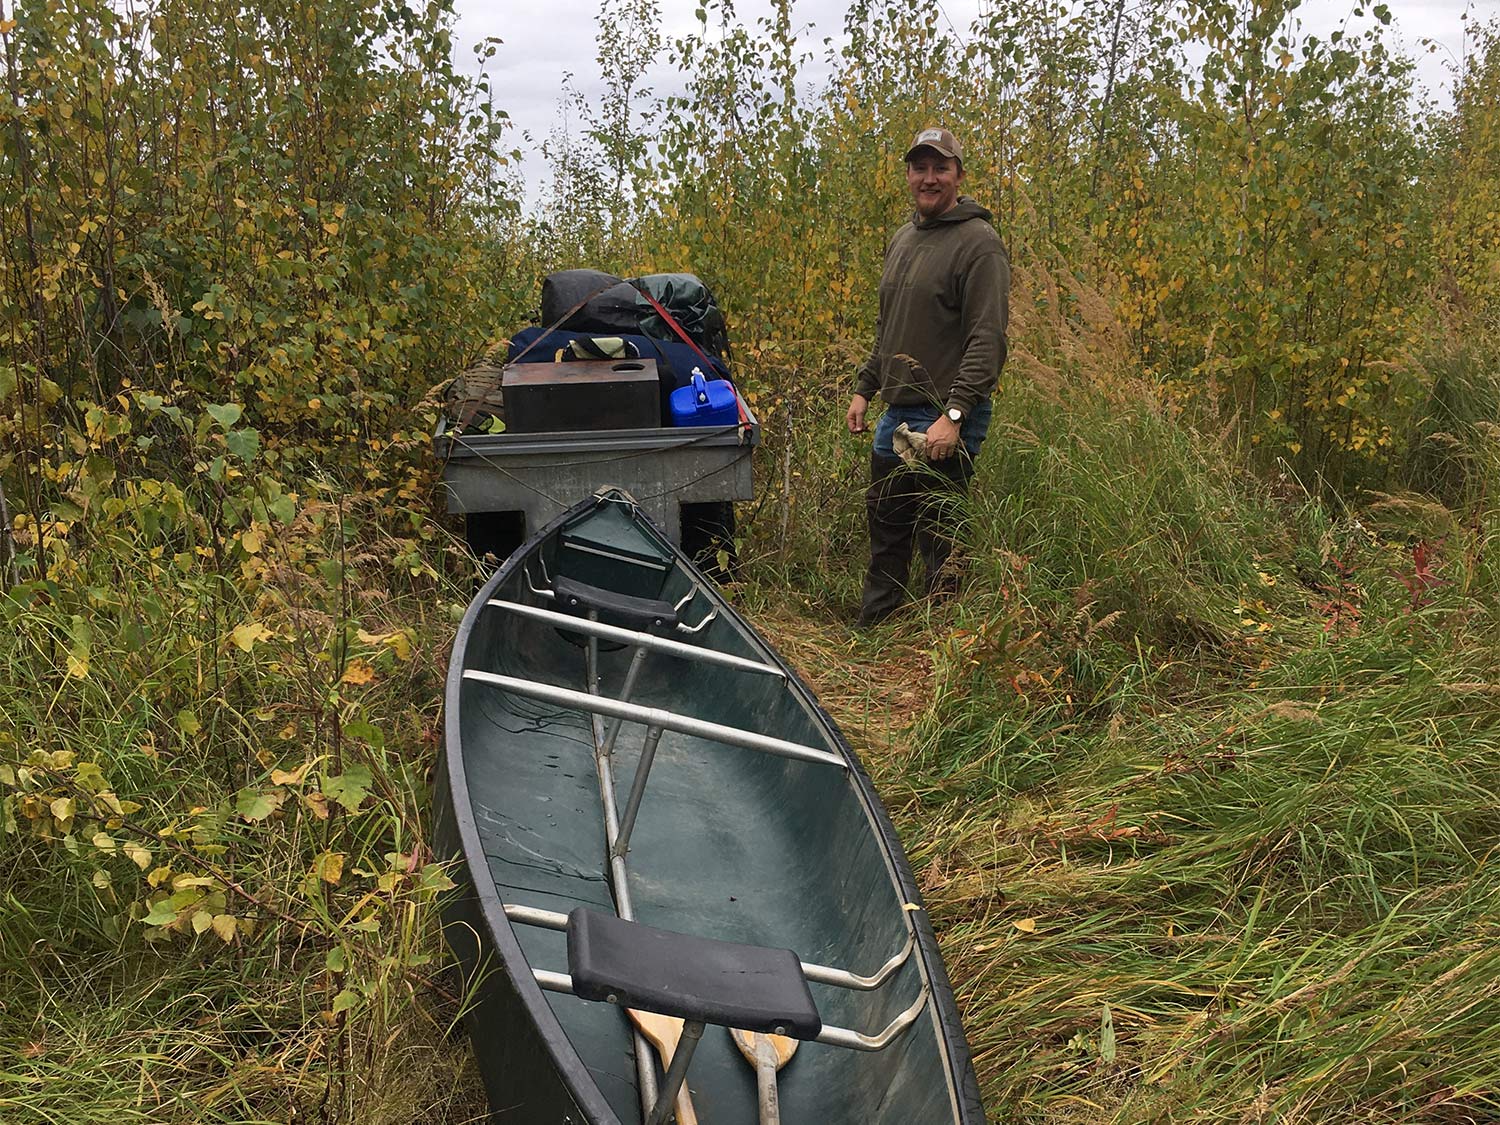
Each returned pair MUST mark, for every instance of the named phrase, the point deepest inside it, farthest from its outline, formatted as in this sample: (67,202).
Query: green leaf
(345,1000)
(226,414)
(283,508)
(244,444)
(333,960)
(1106,1036)
(367,733)
(162,914)
(255,806)
(350,787)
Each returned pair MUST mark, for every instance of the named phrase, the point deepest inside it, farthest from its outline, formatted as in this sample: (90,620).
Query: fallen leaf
(358,672)
(1026,925)
(292,777)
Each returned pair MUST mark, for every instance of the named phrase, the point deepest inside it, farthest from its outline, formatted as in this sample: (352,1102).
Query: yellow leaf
(245,636)
(358,672)
(329,866)
(224,926)
(399,642)
(103,841)
(293,777)
(251,540)
(62,808)
(1026,925)
(78,665)
(202,921)
(137,855)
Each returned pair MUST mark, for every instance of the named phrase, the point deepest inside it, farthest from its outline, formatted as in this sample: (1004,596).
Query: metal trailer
(543,475)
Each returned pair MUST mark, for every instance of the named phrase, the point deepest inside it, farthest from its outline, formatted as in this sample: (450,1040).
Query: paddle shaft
(767,1054)
(765,1081)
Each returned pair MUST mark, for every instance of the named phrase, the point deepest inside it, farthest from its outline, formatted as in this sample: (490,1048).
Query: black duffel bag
(598,302)
(594,301)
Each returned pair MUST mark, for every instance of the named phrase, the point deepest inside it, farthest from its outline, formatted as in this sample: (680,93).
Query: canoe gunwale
(936,994)
(569,1064)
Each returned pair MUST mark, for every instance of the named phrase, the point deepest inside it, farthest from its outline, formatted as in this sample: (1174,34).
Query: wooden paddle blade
(747,1041)
(665,1033)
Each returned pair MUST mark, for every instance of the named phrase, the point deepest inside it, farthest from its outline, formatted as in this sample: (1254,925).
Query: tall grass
(1202,781)
(208,778)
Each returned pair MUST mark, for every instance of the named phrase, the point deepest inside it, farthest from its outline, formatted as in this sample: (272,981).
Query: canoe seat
(635,613)
(722,982)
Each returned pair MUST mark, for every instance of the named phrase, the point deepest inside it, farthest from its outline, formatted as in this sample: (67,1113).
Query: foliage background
(1200,773)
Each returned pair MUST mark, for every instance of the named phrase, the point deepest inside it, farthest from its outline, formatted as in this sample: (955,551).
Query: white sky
(543,39)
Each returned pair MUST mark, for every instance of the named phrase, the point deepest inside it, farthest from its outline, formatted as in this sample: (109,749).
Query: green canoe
(650,811)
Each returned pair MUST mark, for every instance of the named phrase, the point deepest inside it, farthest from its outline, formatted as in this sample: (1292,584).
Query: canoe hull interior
(731,843)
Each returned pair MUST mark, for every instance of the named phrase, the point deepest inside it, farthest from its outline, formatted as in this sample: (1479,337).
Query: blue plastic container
(705,402)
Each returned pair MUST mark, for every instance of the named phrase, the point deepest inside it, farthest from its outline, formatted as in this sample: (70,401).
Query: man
(939,347)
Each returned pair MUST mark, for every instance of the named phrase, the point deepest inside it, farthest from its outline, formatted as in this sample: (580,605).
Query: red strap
(671,323)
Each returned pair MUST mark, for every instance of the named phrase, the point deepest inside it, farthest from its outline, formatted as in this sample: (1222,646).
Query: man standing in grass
(939,347)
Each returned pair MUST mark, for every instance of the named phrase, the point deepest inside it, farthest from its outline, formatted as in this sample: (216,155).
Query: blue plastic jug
(704,402)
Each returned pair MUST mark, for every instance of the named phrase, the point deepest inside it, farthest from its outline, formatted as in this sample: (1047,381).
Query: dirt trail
(872,692)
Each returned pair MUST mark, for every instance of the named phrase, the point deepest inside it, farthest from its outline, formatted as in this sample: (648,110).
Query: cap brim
(939,149)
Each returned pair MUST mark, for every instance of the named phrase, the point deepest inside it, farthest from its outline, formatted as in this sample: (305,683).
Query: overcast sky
(543,39)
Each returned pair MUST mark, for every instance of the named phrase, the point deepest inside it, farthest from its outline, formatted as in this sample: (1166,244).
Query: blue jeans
(908,506)
(973,431)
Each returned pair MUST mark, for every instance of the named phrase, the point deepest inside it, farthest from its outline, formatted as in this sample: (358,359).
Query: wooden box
(594,394)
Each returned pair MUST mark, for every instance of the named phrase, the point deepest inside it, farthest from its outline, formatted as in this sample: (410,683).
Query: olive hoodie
(944,305)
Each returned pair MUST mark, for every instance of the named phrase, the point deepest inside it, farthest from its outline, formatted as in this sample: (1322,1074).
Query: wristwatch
(955,415)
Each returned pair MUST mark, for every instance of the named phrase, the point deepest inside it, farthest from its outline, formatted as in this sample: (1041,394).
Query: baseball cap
(938,139)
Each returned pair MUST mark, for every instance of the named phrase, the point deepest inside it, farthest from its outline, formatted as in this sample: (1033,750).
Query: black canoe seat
(632,612)
(721,982)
